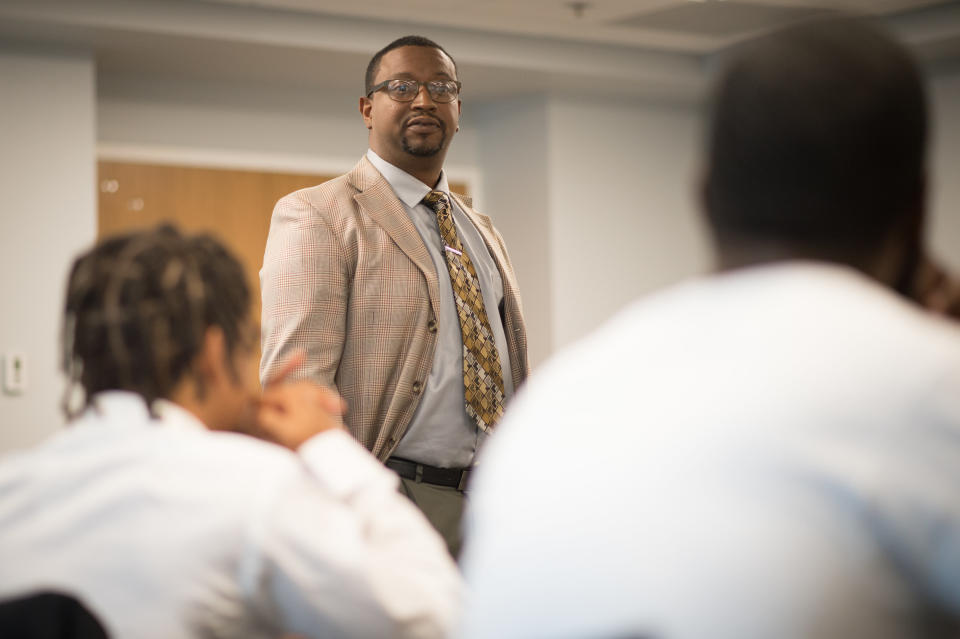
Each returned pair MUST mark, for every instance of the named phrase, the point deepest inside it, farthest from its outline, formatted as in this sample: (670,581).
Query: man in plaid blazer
(355,274)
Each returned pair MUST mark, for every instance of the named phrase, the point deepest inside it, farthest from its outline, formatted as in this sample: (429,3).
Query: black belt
(449,477)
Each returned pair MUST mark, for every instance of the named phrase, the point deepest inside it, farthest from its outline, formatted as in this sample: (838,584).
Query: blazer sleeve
(304,287)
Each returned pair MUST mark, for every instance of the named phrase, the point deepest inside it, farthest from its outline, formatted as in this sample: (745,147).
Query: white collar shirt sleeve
(344,552)
(164,529)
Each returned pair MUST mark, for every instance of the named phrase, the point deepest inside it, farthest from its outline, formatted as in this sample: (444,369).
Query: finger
(277,398)
(304,392)
(338,406)
(331,401)
(294,362)
(270,419)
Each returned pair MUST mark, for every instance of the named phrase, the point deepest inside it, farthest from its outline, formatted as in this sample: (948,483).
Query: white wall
(623,218)
(594,200)
(47,215)
(513,151)
(256,125)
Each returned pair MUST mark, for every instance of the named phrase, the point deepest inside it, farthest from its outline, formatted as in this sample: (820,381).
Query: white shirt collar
(131,408)
(409,189)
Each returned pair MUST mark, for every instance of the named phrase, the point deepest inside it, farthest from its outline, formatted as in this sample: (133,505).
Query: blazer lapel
(378,200)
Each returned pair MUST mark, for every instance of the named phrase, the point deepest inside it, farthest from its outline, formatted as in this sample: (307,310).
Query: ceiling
(687,26)
(656,49)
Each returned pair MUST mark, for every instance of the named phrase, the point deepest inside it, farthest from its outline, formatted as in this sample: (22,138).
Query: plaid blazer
(347,279)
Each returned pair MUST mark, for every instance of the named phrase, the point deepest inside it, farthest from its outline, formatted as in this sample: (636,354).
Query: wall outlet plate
(14,373)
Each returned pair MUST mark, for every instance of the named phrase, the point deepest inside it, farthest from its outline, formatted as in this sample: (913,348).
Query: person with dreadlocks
(164,526)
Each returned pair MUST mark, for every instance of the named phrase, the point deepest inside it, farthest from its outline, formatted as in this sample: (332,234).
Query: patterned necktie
(482,376)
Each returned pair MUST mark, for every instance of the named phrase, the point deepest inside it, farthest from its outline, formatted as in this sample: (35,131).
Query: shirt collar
(131,408)
(409,189)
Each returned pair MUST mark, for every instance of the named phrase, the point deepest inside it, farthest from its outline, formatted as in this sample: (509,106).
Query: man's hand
(290,414)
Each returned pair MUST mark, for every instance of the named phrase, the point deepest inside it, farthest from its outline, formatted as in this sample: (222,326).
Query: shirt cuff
(343,466)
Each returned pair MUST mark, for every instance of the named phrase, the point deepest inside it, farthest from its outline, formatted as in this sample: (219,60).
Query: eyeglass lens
(406,90)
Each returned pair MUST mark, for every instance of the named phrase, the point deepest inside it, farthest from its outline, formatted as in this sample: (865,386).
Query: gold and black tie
(482,375)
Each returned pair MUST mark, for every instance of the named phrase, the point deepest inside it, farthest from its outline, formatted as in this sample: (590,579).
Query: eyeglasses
(408,90)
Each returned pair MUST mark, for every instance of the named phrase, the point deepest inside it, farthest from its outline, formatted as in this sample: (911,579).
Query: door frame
(260,161)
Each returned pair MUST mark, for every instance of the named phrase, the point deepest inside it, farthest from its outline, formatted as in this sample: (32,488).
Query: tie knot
(437,200)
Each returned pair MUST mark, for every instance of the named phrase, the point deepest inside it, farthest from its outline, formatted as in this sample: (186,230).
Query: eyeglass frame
(385,83)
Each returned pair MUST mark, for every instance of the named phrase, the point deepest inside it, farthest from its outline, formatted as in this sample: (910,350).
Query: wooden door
(234,206)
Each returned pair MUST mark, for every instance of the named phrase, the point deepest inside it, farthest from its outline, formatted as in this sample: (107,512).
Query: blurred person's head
(166,316)
(817,149)
(411,126)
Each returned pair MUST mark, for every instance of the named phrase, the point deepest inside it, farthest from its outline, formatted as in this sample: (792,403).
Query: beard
(423,148)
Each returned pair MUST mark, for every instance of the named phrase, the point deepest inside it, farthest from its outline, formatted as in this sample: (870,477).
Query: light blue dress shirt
(440,432)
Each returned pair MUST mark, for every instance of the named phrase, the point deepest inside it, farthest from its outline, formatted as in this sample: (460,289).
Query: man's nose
(424,100)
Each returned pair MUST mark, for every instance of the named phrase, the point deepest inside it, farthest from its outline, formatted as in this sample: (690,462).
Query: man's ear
(366,105)
(211,362)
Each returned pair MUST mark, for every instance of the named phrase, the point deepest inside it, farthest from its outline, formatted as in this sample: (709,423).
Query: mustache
(421,116)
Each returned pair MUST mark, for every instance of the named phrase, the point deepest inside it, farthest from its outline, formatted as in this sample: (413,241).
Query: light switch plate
(14,373)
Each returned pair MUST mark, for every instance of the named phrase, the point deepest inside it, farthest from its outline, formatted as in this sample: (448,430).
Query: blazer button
(432,326)
(417,386)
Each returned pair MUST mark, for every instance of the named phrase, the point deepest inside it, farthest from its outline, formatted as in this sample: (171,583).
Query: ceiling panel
(717,19)
(657,49)
(696,27)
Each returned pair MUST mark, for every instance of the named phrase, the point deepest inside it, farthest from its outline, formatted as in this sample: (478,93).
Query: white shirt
(773,452)
(164,529)
(440,432)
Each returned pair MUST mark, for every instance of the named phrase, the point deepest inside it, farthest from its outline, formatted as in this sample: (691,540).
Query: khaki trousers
(443,508)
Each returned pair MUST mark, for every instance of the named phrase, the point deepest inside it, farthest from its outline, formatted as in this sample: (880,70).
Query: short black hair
(817,133)
(138,306)
(406,41)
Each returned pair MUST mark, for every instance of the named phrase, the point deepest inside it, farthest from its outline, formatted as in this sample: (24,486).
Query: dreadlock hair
(138,307)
